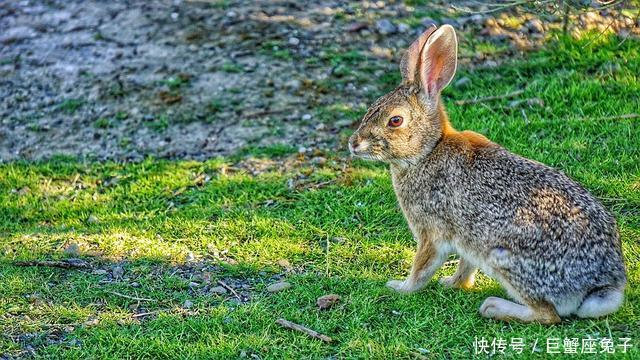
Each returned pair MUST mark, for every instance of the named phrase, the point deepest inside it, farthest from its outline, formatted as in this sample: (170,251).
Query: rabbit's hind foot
(505,310)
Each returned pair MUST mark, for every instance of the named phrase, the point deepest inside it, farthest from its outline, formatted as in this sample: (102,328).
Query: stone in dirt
(294,41)
(279,286)
(117,271)
(293,84)
(218,290)
(462,82)
(72,249)
(403,28)
(386,27)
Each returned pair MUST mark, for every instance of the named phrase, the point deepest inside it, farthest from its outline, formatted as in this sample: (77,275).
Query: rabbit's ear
(439,60)
(411,58)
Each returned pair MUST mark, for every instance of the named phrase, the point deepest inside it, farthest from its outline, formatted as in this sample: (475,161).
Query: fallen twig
(135,316)
(318,185)
(489,98)
(65,264)
(293,326)
(224,285)
(130,297)
(620,117)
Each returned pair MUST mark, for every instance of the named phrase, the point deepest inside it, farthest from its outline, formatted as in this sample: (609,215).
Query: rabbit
(550,244)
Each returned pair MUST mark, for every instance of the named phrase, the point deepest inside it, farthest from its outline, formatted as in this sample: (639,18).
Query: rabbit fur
(551,245)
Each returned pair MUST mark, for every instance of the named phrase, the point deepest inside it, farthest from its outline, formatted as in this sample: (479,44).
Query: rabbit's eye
(395,121)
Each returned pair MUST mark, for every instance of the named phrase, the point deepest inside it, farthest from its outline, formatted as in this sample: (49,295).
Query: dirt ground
(195,79)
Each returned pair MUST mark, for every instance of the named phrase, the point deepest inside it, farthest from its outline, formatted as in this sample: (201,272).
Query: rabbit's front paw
(401,286)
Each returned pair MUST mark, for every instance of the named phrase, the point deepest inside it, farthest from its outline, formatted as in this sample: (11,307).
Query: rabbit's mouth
(366,155)
(366,149)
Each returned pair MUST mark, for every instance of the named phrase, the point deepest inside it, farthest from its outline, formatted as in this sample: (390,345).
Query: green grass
(337,224)
(230,67)
(159,124)
(70,105)
(177,82)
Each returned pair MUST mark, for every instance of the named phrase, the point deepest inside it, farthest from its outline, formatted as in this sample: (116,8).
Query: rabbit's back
(520,219)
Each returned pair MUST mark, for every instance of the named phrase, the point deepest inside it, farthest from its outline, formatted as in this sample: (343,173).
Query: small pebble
(477,18)
(343,123)
(117,271)
(193,284)
(218,290)
(188,304)
(306,117)
(490,63)
(319,160)
(294,41)
(293,84)
(279,286)
(462,82)
(72,249)
(385,27)
(403,28)
(92,219)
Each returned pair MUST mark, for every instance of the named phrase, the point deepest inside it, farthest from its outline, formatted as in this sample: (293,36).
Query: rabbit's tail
(601,302)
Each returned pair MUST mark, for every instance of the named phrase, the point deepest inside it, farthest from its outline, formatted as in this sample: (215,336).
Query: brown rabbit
(544,238)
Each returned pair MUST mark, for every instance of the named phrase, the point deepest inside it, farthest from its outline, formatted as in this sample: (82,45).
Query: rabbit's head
(409,121)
